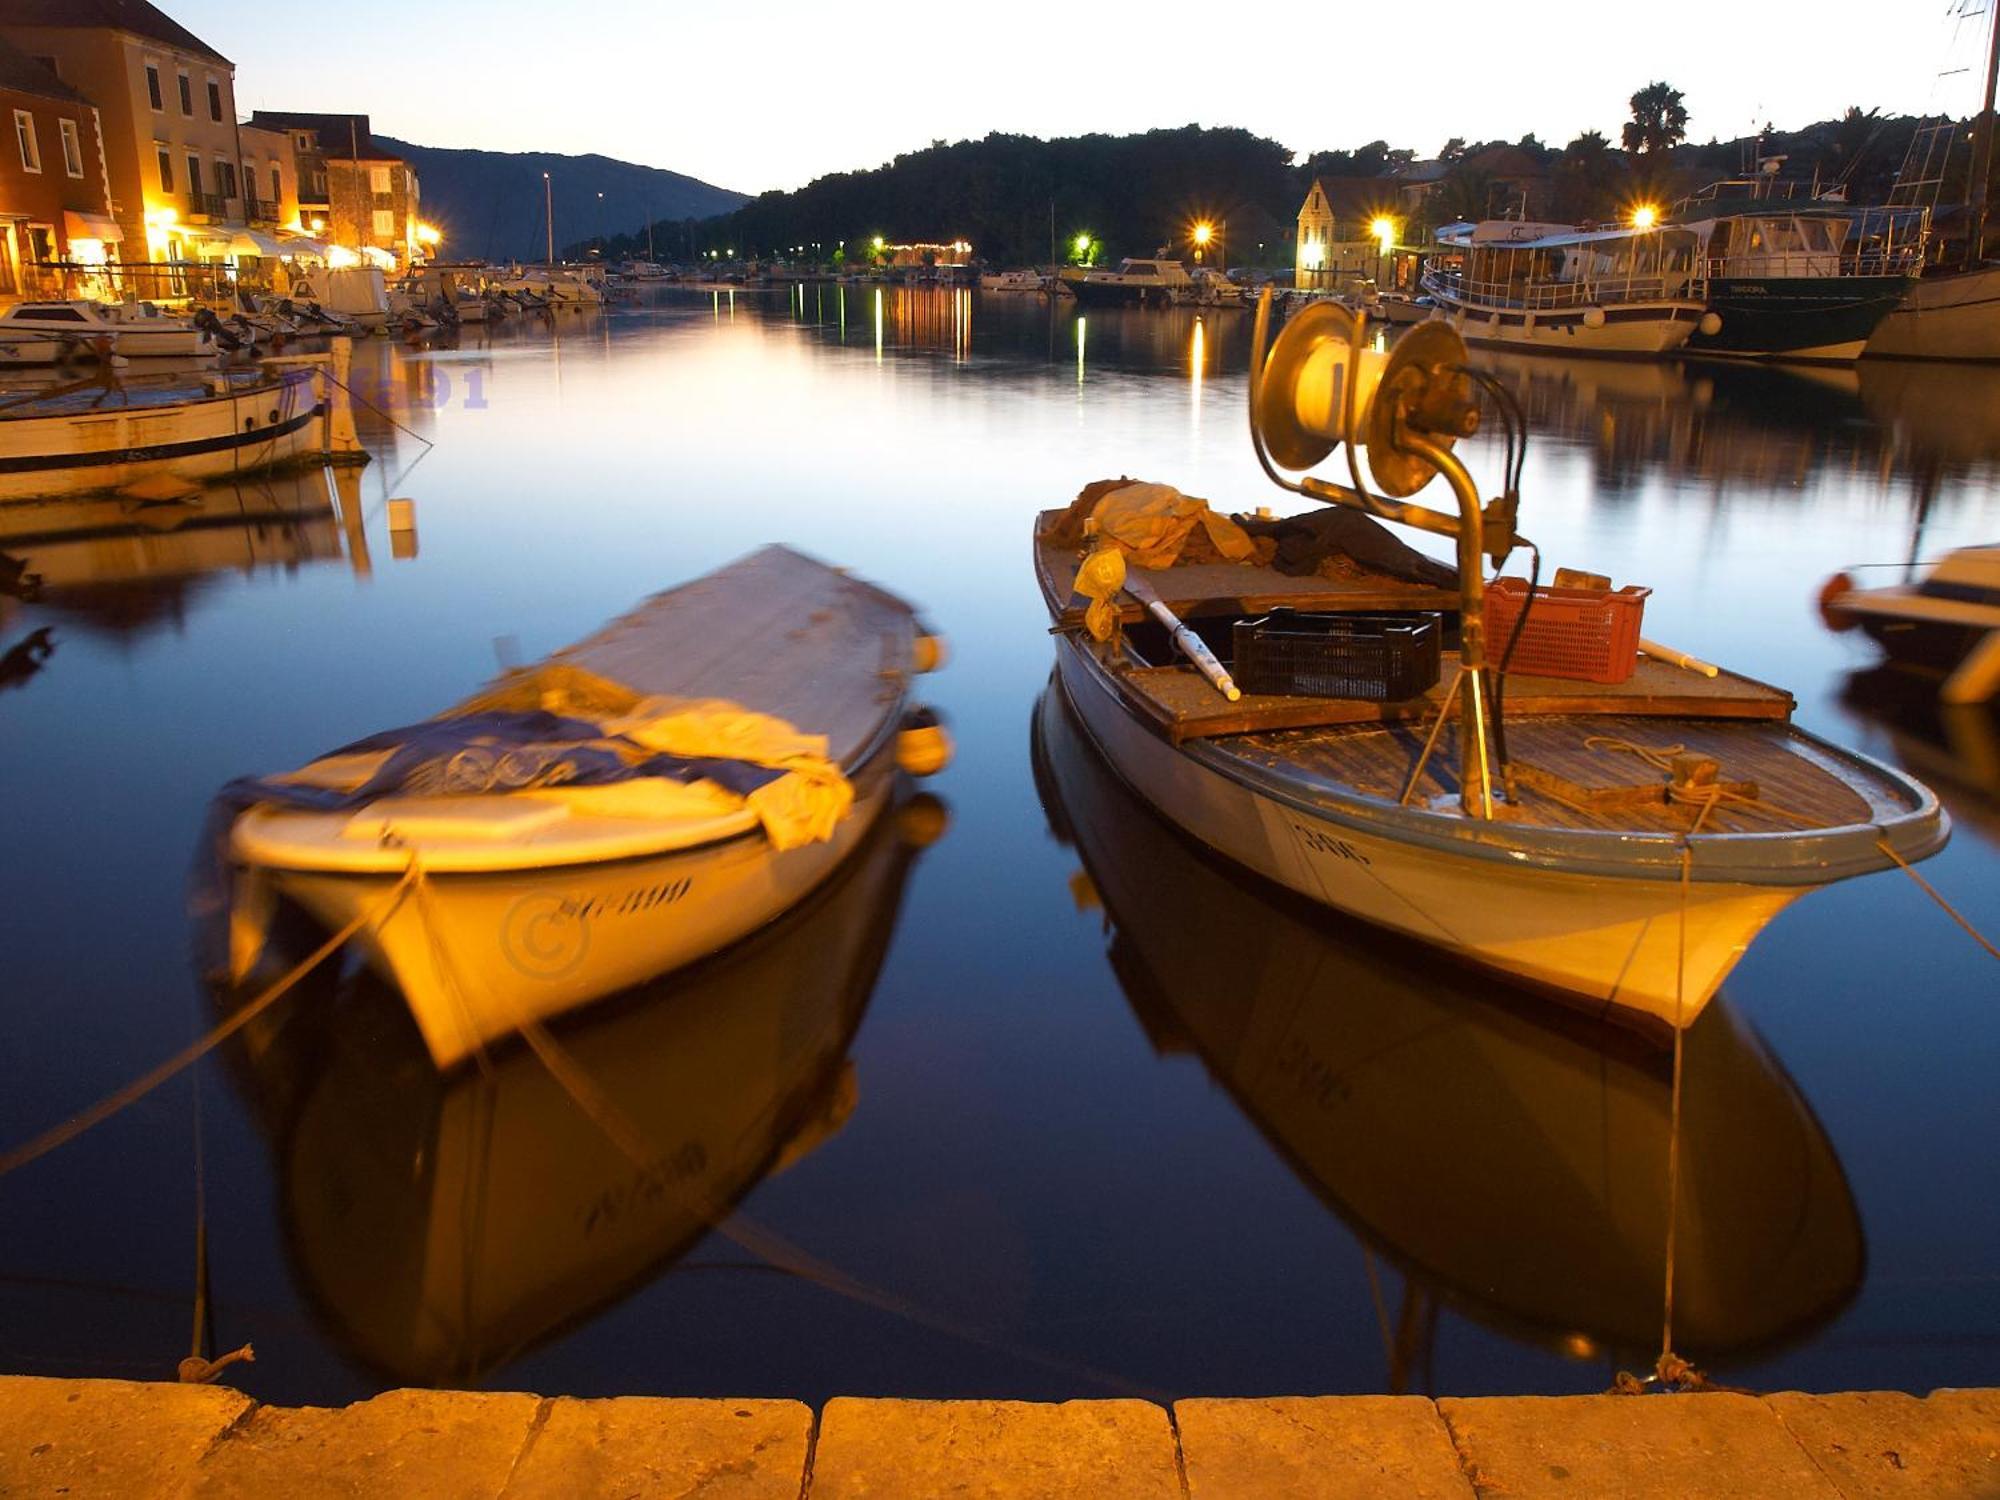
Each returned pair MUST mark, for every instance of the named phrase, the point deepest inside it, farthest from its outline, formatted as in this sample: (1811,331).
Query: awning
(300,244)
(252,242)
(77,226)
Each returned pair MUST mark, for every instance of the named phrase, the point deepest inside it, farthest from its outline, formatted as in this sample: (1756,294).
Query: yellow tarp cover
(1151,523)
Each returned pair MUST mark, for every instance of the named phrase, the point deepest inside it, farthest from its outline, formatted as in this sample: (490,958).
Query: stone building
(352,191)
(1337,245)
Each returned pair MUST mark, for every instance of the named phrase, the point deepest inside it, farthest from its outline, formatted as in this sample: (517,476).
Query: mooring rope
(112,1103)
(1932,891)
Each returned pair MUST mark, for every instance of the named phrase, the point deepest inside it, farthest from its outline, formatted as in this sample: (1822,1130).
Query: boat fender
(1832,596)
(1593,317)
(1710,324)
(922,821)
(930,651)
(922,746)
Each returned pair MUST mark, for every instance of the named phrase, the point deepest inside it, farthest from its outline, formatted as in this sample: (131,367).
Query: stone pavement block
(1716,1446)
(639,1447)
(1324,1446)
(1889,1444)
(994,1450)
(413,1445)
(90,1438)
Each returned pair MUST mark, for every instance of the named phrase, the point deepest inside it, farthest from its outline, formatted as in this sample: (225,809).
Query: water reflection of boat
(1955,747)
(1945,412)
(1511,1166)
(443,1226)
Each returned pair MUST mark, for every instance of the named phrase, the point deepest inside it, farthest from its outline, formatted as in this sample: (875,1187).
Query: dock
(86,1438)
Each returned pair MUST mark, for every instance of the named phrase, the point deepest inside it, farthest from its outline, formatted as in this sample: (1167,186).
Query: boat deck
(92,397)
(1786,781)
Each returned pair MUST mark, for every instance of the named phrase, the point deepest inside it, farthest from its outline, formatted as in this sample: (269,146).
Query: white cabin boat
(356,295)
(110,434)
(1946,315)
(135,330)
(1136,283)
(1571,291)
(535,899)
(1011,281)
(1947,622)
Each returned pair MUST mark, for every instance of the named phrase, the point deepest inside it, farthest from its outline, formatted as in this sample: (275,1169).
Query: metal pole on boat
(1982,147)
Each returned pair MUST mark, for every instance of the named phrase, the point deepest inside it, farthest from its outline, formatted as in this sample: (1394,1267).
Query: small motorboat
(136,330)
(638,801)
(1011,281)
(1616,836)
(1946,622)
(1136,283)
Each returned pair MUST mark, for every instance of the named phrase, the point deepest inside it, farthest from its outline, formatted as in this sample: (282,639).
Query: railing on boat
(1544,296)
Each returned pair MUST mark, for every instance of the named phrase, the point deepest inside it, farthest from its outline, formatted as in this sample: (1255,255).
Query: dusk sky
(771,95)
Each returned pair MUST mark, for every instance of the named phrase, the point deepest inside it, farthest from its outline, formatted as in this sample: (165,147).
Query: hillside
(489,203)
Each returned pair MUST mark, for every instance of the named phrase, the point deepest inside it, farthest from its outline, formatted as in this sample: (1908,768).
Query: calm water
(1047,1106)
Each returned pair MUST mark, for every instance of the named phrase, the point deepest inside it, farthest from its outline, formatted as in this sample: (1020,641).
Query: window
(379,180)
(302,141)
(166,169)
(72,149)
(277,184)
(225,177)
(215,101)
(24,132)
(153,86)
(42,243)
(187,96)
(385,224)
(194,174)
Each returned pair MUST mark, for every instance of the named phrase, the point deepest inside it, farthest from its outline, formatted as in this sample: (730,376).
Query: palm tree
(1659,119)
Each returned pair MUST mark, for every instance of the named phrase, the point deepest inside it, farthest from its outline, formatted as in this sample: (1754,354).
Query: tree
(1659,119)
(1589,180)
(1452,150)
(1466,193)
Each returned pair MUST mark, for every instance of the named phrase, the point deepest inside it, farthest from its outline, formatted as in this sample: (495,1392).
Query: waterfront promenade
(87,1438)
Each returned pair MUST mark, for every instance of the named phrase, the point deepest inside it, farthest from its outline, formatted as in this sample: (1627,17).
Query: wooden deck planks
(1795,791)
(777,632)
(1182,702)
(1230,588)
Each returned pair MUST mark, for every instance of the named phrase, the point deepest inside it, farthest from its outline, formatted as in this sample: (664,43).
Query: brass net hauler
(1559,799)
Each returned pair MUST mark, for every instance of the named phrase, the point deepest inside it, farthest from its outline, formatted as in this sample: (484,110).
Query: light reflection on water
(1025,1147)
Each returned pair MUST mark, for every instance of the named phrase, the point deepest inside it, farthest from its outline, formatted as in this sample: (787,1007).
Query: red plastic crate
(1591,635)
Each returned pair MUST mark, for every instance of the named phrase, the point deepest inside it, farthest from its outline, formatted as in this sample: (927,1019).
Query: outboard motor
(211,325)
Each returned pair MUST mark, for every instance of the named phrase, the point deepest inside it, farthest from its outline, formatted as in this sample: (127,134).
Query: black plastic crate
(1379,658)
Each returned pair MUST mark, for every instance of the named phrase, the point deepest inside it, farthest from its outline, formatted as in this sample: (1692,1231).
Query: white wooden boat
(1507,1157)
(111,434)
(1945,315)
(1625,889)
(528,1216)
(1553,287)
(136,330)
(534,901)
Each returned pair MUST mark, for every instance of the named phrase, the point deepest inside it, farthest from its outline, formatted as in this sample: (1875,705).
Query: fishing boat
(1574,291)
(530,1214)
(114,433)
(1616,842)
(1945,623)
(135,330)
(1506,1157)
(639,800)
(1136,283)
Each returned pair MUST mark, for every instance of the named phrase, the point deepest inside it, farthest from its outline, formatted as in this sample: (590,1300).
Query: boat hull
(1797,317)
(479,956)
(83,452)
(1646,329)
(1121,294)
(1610,945)
(1944,317)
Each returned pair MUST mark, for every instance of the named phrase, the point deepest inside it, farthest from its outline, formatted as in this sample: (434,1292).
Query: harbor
(1327,835)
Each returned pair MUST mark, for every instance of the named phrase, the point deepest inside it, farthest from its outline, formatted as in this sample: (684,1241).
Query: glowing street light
(1383,232)
(1203,233)
(1645,216)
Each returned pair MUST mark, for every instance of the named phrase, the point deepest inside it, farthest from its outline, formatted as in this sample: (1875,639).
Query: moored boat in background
(1136,283)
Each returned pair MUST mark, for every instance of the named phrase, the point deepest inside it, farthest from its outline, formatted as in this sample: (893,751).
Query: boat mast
(1982,146)
(549,215)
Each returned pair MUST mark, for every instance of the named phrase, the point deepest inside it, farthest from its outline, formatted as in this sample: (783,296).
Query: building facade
(352,191)
(166,103)
(1337,247)
(55,197)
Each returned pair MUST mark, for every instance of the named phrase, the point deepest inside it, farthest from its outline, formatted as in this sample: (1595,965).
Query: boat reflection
(123,565)
(443,1225)
(1511,1163)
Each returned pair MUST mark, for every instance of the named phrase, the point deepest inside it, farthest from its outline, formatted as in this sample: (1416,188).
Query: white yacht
(1011,281)
(1136,283)
(1573,291)
(136,330)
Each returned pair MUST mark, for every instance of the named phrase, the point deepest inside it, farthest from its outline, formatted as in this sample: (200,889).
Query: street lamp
(1384,231)
(1645,216)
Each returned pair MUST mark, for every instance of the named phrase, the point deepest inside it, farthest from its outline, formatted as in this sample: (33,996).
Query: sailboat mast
(549,215)
(1982,146)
